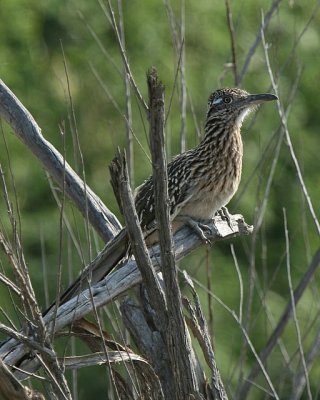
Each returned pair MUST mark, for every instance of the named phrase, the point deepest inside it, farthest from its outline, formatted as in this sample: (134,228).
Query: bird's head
(234,104)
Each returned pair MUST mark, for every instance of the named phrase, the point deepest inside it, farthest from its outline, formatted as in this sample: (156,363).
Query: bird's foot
(200,227)
(225,215)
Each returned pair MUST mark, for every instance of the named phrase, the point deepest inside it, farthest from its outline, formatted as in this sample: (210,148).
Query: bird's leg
(201,228)
(225,215)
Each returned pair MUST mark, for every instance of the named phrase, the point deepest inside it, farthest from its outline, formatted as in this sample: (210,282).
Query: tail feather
(101,266)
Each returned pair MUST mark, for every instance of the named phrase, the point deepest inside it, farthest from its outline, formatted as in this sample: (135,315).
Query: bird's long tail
(113,252)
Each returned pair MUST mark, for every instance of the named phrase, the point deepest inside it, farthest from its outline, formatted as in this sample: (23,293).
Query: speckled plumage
(202,180)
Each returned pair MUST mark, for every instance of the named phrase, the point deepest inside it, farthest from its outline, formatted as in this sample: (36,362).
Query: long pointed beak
(260,98)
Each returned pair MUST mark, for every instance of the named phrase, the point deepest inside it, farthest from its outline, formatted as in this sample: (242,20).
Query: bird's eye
(227,99)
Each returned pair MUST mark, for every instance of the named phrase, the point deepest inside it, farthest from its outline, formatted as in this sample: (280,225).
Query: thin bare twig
(123,54)
(102,48)
(240,281)
(233,42)
(174,82)
(300,378)
(178,40)
(27,130)
(259,360)
(294,311)
(117,107)
(11,388)
(283,119)
(305,280)
(121,280)
(201,331)
(183,86)
(210,302)
(128,110)
(198,133)
(277,332)
(257,40)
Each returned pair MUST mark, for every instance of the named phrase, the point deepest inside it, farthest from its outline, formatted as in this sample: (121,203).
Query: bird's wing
(180,191)
(181,182)
(144,202)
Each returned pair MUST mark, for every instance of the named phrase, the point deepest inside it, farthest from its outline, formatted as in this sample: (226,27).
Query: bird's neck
(219,132)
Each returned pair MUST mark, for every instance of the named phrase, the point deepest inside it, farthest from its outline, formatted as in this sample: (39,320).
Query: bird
(201,181)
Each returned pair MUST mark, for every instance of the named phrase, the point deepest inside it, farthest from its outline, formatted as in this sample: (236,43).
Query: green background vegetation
(32,35)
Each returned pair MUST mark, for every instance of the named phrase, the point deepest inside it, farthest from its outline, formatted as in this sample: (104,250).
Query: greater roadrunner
(201,181)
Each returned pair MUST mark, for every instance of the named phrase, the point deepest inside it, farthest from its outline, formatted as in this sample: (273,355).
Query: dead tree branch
(28,131)
(186,375)
(176,333)
(121,280)
(11,388)
(140,251)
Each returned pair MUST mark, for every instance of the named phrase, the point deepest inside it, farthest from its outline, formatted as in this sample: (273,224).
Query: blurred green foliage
(34,35)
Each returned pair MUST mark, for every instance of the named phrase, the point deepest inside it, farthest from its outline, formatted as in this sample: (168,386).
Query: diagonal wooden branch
(27,130)
(120,281)
(78,303)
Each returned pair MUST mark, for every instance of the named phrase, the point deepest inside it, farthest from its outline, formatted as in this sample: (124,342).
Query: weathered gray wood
(121,280)
(27,130)
(140,251)
(179,373)
(175,332)
(200,330)
(148,341)
(11,388)
(138,245)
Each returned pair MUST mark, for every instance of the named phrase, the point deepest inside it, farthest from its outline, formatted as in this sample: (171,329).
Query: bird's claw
(223,212)
(202,229)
